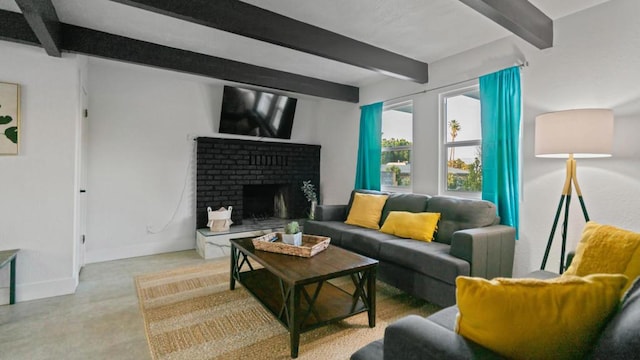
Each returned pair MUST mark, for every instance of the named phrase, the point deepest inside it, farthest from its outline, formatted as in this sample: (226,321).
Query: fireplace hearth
(259,179)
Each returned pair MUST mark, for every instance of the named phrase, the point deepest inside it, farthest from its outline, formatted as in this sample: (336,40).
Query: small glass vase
(312,210)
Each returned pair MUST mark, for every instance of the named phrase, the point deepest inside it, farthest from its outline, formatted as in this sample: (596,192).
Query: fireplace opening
(261,202)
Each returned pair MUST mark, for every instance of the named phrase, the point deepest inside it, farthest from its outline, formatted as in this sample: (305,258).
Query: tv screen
(256,113)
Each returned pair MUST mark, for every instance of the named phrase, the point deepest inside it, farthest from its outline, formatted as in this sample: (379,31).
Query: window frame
(445,145)
(390,106)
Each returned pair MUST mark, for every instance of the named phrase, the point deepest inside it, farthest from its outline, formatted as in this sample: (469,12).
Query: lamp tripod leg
(564,233)
(584,209)
(553,232)
(574,180)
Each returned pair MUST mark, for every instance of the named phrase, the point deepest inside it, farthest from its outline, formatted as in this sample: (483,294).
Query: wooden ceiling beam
(13,27)
(257,23)
(43,20)
(518,16)
(101,44)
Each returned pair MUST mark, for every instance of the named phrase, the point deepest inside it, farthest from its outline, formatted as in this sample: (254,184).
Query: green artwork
(9,118)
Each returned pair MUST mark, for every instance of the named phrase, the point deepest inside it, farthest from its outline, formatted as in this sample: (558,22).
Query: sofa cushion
(459,214)
(445,317)
(366,210)
(408,225)
(332,229)
(366,242)
(414,203)
(529,318)
(619,339)
(429,258)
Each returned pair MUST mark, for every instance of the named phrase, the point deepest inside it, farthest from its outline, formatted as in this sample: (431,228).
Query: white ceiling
(426,30)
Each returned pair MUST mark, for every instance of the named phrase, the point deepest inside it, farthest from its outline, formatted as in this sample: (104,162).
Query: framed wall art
(9,118)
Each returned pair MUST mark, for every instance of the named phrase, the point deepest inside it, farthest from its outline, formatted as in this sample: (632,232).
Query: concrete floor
(100,321)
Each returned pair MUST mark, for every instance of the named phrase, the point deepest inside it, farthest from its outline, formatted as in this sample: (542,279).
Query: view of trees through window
(463,141)
(397,135)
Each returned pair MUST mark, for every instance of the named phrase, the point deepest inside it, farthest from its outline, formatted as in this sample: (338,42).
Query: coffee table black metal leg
(371,292)
(294,320)
(234,265)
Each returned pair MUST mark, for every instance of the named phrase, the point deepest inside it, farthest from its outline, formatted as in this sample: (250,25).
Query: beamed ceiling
(323,48)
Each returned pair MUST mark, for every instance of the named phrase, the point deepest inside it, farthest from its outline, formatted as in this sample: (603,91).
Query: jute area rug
(190,313)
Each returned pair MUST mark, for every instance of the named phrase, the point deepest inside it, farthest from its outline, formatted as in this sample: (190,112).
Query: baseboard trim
(125,252)
(45,289)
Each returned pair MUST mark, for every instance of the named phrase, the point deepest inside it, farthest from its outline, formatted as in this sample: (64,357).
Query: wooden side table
(9,257)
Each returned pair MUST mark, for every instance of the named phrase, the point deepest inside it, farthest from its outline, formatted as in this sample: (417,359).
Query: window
(461,156)
(397,138)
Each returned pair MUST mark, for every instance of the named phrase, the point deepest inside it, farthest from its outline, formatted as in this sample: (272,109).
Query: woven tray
(311,245)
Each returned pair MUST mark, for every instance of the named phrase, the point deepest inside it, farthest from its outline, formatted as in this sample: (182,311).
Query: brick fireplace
(259,179)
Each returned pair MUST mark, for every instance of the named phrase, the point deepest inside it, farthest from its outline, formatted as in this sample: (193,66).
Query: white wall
(337,124)
(592,64)
(37,187)
(141,152)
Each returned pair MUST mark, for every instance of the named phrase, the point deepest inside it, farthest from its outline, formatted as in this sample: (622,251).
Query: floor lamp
(583,133)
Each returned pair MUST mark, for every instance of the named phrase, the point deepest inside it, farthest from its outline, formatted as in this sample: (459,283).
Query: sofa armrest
(331,213)
(489,250)
(416,338)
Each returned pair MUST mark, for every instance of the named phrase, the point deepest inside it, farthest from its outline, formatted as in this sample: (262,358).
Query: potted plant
(292,234)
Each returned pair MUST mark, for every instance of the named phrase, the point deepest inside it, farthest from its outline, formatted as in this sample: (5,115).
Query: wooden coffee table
(295,289)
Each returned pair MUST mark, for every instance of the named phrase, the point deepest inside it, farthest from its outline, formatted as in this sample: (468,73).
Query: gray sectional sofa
(469,242)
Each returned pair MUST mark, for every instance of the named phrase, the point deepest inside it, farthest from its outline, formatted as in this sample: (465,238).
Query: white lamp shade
(583,133)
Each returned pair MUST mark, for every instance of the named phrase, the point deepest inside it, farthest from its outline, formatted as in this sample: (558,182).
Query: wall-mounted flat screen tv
(256,113)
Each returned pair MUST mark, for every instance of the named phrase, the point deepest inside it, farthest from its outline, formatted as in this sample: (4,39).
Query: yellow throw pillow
(559,318)
(366,210)
(633,269)
(418,226)
(607,249)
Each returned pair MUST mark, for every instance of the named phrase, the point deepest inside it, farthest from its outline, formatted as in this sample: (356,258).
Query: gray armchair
(414,337)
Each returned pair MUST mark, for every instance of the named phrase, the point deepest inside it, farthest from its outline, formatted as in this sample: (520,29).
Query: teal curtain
(501,112)
(369,147)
